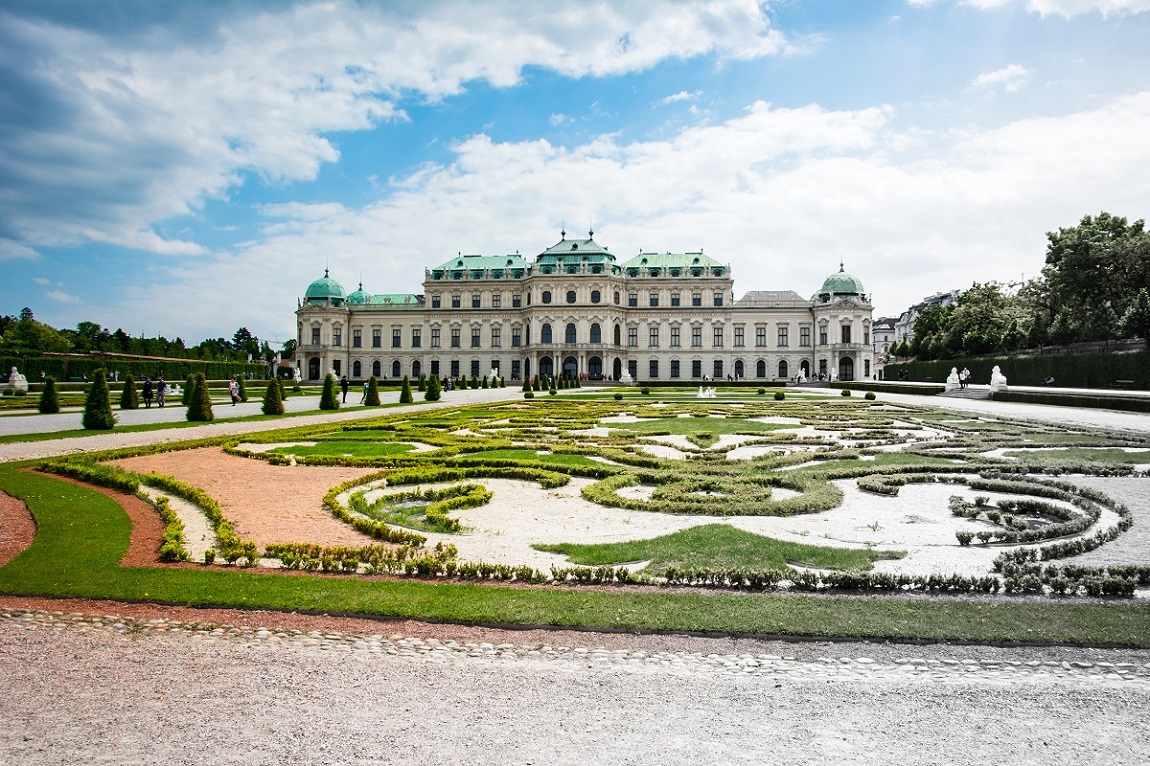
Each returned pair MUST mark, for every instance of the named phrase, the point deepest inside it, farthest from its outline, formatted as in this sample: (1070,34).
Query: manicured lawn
(529,455)
(1078,454)
(353,448)
(692,425)
(81,536)
(718,546)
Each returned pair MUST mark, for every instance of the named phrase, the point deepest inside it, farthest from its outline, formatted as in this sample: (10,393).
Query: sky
(187,168)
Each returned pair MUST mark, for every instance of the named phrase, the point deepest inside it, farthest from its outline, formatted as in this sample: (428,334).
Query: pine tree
(433,389)
(372,398)
(273,399)
(49,401)
(98,404)
(186,396)
(405,392)
(200,402)
(129,397)
(328,399)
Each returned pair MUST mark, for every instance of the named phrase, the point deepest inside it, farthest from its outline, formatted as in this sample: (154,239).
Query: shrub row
(231,546)
(172,546)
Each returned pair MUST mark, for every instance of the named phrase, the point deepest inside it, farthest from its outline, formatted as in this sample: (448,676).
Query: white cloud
(681,96)
(555,119)
(62,297)
(41,281)
(1009,78)
(1065,8)
(12,250)
(143,127)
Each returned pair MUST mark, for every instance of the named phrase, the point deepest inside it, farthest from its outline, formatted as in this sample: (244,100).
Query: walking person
(344,384)
(234,390)
(147,392)
(363,398)
(964,378)
(161,389)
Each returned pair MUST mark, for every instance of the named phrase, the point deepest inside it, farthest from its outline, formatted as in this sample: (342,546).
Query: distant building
(882,335)
(574,309)
(904,325)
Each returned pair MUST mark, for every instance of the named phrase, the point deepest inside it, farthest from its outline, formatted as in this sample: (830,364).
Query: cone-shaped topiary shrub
(475,382)
(243,389)
(405,392)
(129,397)
(526,385)
(280,384)
(502,382)
(49,401)
(433,389)
(200,405)
(372,398)
(422,383)
(328,399)
(535,384)
(98,404)
(186,396)
(273,399)
(483,384)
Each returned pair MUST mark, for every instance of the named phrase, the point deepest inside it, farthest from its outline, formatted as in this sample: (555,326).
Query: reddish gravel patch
(266,503)
(17,529)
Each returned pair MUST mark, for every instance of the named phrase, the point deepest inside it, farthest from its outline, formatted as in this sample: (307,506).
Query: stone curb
(754,665)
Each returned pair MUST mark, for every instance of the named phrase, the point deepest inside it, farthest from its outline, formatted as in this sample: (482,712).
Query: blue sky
(184,169)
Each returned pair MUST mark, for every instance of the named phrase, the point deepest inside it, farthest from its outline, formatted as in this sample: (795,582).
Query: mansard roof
(674,264)
(769,298)
(481,266)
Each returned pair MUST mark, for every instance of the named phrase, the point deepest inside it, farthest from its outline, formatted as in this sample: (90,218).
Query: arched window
(416,369)
(783,370)
(760,369)
(596,333)
(616,297)
(570,296)
(739,369)
(569,333)
(356,369)
(376,368)
(545,334)
(546,296)
(618,336)
(395,369)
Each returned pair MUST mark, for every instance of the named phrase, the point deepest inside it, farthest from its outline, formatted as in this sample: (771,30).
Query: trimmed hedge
(1096,370)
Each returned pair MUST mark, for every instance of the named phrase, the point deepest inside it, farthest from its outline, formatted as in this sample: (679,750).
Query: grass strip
(82,534)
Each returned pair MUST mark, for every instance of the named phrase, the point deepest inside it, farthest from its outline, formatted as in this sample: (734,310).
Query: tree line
(1094,286)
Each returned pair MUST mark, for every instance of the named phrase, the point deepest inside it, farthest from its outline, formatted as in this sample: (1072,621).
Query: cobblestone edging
(624,659)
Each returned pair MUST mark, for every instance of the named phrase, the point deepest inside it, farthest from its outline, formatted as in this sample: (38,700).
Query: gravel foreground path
(85,688)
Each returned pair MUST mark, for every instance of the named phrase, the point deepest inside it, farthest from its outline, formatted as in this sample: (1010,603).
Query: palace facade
(575,309)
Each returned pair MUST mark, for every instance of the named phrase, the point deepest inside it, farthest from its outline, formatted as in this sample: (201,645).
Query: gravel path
(189,694)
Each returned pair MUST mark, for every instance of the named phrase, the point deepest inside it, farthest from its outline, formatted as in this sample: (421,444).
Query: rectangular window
(696,337)
(866,337)
(739,337)
(674,337)
(434,366)
(475,337)
(633,299)
(455,368)
(416,337)
(822,336)
(497,301)
(718,299)
(760,336)
(696,299)
(396,338)
(674,299)
(455,341)
(784,337)
(337,337)
(654,299)
(455,301)
(674,368)
(516,300)
(315,336)
(435,301)
(718,337)
(357,338)
(846,334)
(633,337)
(475,300)
(696,368)
(495,337)
(475,368)
(516,337)
(654,368)
(804,336)
(653,340)
(377,338)
(435,337)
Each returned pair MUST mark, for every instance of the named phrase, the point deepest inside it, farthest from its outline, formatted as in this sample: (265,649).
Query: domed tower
(842,312)
(359,297)
(321,326)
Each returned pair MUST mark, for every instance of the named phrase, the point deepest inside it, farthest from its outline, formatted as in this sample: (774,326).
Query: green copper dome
(840,283)
(325,289)
(359,296)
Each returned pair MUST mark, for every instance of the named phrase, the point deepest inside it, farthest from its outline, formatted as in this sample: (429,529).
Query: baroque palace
(575,309)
